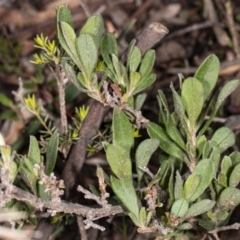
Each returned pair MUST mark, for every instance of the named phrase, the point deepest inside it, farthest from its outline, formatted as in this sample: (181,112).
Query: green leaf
(64,15)
(192,98)
(206,224)
(71,75)
(157,132)
(207,73)
(42,191)
(224,138)
(134,80)
(171,184)
(201,141)
(225,92)
(226,164)
(229,198)
(27,173)
(174,133)
(190,186)
(208,148)
(119,161)
(179,207)
(164,174)
(6,101)
(51,153)
(135,59)
(234,178)
(125,191)
(95,27)
(178,107)
(88,54)
(122,130)
(164,113)
(215,157)
(200,207)
(178,188)
(147,63)
(129,52)
(144,153)
(34,152)
(139,100)
(206,170)
(235,157)
(109,47)
(118,70)
(83,81)
(144,83)
(185,226)
(67,38)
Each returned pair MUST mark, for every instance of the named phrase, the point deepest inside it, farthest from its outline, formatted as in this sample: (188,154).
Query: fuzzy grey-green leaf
(178,188)
(179,207)
(224,138)
(200,207)
(125,191)
(229,198)
(147,63)
(234,178)
(157,132)
(144,153)
(226,91)
(119,161)
(191,185)
(88,54)
(192,98)
(51,153)
(34,152)
(135,59)
(207,73)
(144,83)
(67,38)
(122,130)
(205,168)
(95,27)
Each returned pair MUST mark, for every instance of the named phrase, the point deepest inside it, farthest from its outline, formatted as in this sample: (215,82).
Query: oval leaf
(235,176)
(119,161)
(34,152)
(191,185)
(122,130)
(200,208)
(192,98)
(157,132)
(205,168)
(88,54)
(224,138)
(51,153)
(179,208)
(95,27)
(229,198)
(144,153)
(207,73)
(125,191)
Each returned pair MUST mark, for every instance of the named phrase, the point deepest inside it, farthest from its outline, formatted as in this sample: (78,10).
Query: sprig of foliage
(196,181)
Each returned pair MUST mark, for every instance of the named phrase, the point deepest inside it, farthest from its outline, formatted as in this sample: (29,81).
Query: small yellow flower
(39,59)
(82,112)
(100,66)
(136,133)
(91,149)
(75,133)
(32,104)
(51,48)
(41,41)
